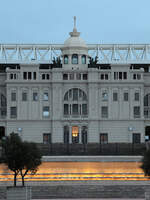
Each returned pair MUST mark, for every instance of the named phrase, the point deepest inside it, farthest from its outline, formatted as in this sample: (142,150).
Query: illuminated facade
(75,98)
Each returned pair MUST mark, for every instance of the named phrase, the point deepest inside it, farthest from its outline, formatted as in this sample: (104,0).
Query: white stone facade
(76,102)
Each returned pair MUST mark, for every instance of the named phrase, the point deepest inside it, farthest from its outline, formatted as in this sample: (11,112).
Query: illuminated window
(104,96)
(46,138)
(45,96)
(103,138)
(46,111)
(75,134)
(35,96)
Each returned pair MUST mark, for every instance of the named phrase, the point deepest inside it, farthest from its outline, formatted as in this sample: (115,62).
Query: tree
(20,157)
(146,163)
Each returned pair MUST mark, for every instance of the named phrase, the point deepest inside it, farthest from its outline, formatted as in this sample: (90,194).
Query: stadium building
(75,92)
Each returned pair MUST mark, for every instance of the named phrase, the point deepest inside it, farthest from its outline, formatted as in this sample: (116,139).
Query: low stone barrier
(18,193)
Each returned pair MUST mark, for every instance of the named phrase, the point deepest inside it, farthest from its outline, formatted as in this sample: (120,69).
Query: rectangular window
(136,96)
(115,96)
(46,111)
(71,76)
(11,76)
(136,111)
(47,138)
(138,76)
(75,109)
(66,135)
(136,138)
(115,75)
(103,138)
(106,76)
(35,96)
(66,109)
(65,76)
(47,76)
(85,76)
(124,75)
(45,96)
(84,135)
(24,96)
(120,75)
(25,75)
(78,76)
(29,75)
(134,76)
(34,75)
(43,76)
(13,96)
(104,112)
(104,96)
(102,76)
(75,94)
(13,112)
(84,109)
(125,96)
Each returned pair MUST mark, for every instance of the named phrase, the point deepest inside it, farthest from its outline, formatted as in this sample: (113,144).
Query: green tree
(146,163)
(20,157)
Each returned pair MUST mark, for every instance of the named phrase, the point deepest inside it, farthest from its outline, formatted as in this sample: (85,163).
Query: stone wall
(85,191)
(93,149)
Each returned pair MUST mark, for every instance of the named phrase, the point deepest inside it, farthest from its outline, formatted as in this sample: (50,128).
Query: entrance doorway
(2,132)
(147,133)
(75,134)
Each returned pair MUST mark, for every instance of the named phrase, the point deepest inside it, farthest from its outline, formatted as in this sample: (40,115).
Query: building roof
(75,40)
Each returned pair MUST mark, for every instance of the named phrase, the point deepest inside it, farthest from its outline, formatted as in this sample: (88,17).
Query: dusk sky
(50,21)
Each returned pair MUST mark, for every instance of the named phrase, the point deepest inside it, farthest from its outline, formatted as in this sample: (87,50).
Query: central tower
(75,51)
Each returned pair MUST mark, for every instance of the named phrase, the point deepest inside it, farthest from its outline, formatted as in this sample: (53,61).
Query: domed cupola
(75,50)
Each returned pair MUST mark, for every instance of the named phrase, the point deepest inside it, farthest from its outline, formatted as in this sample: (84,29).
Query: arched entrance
(147,133)
(2,132)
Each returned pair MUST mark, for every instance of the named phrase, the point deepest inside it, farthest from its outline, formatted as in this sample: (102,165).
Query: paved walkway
(92,158)
(88,199)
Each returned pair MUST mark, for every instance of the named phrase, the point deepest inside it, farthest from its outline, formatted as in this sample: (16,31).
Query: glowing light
(60,171)
(75,131)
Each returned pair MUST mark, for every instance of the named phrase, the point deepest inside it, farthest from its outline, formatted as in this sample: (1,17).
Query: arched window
(65,59)
(83,58)
(74,59)
(75,103)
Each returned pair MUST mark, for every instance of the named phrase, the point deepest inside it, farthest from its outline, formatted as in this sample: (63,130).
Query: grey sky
(99,21)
